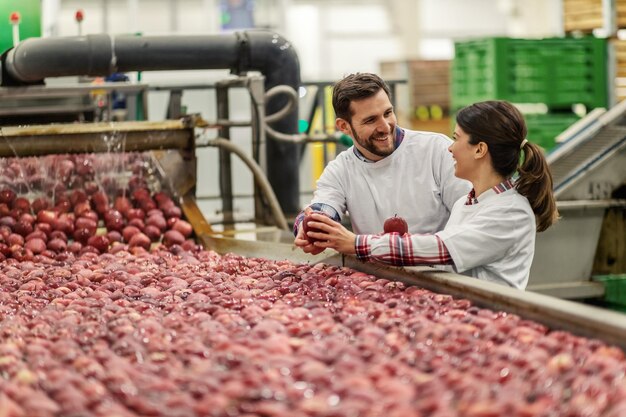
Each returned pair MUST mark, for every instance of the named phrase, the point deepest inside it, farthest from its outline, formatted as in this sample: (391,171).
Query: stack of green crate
(544,128)
(614,290)
(558,72)
(30,24)
(555,72)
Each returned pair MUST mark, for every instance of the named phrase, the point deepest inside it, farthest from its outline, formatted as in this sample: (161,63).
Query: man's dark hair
(356,87)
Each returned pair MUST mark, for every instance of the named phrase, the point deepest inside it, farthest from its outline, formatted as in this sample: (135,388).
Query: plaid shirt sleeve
(402,250)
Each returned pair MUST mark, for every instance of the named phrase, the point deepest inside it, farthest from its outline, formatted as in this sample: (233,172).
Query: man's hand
(302,242)
(332,235)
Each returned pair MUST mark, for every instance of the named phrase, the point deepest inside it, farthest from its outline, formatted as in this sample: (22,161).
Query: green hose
(345,140)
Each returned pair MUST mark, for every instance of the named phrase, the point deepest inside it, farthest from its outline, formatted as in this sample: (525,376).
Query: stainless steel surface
(569,164)
(555,313)
(268,250)
(570,290)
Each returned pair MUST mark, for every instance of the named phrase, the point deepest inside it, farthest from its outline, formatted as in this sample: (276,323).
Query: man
(388,171)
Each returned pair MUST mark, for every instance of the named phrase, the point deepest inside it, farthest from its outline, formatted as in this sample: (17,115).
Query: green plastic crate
(30,25)
(558,72)
(544,128)
(614,287)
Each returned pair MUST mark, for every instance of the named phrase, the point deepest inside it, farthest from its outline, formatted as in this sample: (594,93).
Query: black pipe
(275,58)
(35,59)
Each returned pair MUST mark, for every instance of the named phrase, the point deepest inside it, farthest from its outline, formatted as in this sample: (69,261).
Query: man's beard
(371,145)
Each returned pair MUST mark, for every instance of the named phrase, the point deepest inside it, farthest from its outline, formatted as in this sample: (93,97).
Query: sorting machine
(589,172)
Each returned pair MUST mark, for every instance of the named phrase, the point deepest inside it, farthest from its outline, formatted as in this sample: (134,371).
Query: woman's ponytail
(535,183)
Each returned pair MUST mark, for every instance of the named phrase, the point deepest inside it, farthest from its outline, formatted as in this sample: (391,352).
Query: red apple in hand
(305,226)
(396,224)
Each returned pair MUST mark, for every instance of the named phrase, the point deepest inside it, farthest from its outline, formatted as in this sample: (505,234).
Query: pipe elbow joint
(274,56)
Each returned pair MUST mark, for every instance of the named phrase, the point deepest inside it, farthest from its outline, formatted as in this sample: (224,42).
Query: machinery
(33,60)
(589,170)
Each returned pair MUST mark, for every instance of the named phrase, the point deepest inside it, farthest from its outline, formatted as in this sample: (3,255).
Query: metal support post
(174,107)
(256,86)
(226,183)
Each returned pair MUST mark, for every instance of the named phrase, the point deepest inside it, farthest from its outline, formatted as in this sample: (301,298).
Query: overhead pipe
(35,59)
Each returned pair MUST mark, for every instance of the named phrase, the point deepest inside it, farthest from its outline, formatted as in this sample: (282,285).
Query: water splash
(17,169)
(115,171)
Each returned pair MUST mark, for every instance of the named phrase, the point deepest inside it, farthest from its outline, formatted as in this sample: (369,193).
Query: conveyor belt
(566,168)
(580,162)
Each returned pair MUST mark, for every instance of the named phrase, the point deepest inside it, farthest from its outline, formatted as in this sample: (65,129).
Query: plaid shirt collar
(398,141)
(498,189)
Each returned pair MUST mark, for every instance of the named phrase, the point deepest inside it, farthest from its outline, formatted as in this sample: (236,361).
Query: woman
(491,233)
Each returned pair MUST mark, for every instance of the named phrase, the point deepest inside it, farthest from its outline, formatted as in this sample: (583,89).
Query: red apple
(22,204)
(100,242)
(114,236)
(305,226)
(40,203)
(396,224)
(135,213)
(78,196)
(35,245)
(183,227)
(7,196)
(4,210)
(152,232)
(140,240)
(122,204)
(173,237)
(100,199)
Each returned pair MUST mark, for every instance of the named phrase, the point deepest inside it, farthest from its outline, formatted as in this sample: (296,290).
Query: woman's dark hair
(501,126)
(355,87)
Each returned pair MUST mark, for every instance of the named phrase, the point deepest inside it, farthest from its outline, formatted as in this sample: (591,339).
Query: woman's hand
(332,235)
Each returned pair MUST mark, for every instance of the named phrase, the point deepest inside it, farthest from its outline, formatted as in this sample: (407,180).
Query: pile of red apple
(92,323)
(187,333)
(42,216)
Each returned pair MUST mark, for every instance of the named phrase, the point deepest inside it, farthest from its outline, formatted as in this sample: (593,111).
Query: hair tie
(524,142)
